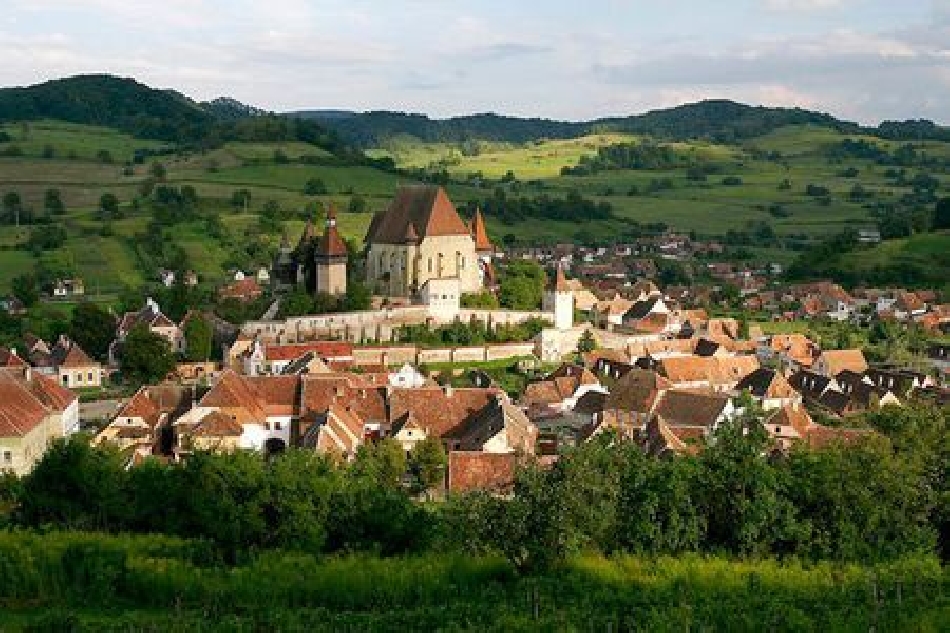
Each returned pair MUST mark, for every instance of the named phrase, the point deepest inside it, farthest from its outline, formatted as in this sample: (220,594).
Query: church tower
(559,299)
(484,250)
(330,257)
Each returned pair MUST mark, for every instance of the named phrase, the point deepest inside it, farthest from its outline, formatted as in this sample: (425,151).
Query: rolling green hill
(770,195)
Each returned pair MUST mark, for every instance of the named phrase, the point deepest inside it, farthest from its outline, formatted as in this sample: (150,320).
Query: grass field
(94,582)
(709,208)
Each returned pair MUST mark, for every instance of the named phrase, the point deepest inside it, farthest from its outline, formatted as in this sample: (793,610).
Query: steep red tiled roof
(330,243)
(139,406)
(321,391)
(68,354)
(9,359)
(279,395)
(217,424)
(482,243)
(20,410)
(235,392)
(427,208)
(51,393)
(439,410)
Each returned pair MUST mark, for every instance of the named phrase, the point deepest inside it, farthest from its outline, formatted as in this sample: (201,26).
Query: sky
(861,60)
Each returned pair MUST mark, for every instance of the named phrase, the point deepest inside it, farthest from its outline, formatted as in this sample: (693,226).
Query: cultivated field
(710,208)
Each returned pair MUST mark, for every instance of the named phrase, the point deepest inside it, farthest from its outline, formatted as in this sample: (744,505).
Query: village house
(468,419)
(151,317)
(832,362)
(244,289)
(67,288)
(66,361)
(561,389)
(262,358)
(34,410)
(791,424)
(719,373)
(143,424)
(769,389)
(791,352)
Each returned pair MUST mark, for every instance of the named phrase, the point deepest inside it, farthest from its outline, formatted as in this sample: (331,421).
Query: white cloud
(804,5)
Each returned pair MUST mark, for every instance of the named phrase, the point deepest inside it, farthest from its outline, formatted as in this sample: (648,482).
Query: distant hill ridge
(714,119)
(165,115)
(145,112)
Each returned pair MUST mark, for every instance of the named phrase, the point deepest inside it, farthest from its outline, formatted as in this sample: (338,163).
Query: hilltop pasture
(760,182)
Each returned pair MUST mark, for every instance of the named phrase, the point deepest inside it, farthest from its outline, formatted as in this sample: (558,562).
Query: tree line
(883,498)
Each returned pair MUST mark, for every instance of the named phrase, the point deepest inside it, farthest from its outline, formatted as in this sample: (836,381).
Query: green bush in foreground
(82,581)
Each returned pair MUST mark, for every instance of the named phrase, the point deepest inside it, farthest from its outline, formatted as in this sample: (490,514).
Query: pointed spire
(560,281)
(411,235)
(479,233)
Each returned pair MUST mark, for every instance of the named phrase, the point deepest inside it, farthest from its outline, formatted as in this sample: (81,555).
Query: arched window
(430,265)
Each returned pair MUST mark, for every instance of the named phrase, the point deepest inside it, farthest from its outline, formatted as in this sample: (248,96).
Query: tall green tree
(427,462)
(145,357)
(25,289)
(93,328)
(198,338)
(53,202)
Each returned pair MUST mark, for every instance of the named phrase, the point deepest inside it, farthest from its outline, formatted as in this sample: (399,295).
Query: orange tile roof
(482,243)
(318,392)
(438,411)
(839,360)
(217,424)
(330,350)
(9,359)
(475,470)
(51,393)
(330,243)
(20,411)
(278,395)
(233,391)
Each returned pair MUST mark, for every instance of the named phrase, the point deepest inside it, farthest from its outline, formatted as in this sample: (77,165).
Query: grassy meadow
(93,582)
(66,157)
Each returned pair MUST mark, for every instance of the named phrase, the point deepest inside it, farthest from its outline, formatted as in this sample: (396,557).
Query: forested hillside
(716,120)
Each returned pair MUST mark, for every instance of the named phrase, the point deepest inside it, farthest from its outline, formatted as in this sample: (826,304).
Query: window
(89,377)
(7,457)
(430,264)
(66,380)
(276,426)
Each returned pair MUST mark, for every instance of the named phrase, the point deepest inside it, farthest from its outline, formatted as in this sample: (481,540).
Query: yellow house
(34,410)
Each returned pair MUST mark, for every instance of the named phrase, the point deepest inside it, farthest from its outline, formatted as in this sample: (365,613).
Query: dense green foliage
(721,120)
(881,499)
(145,357)
(93,328)
(164,115)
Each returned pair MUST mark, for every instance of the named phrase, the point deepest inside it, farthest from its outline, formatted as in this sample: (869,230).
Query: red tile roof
(329,350)
(482,243)
(9,359)
(20,410)
(475,470)
(439,410)
(330,243)
(427,208)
